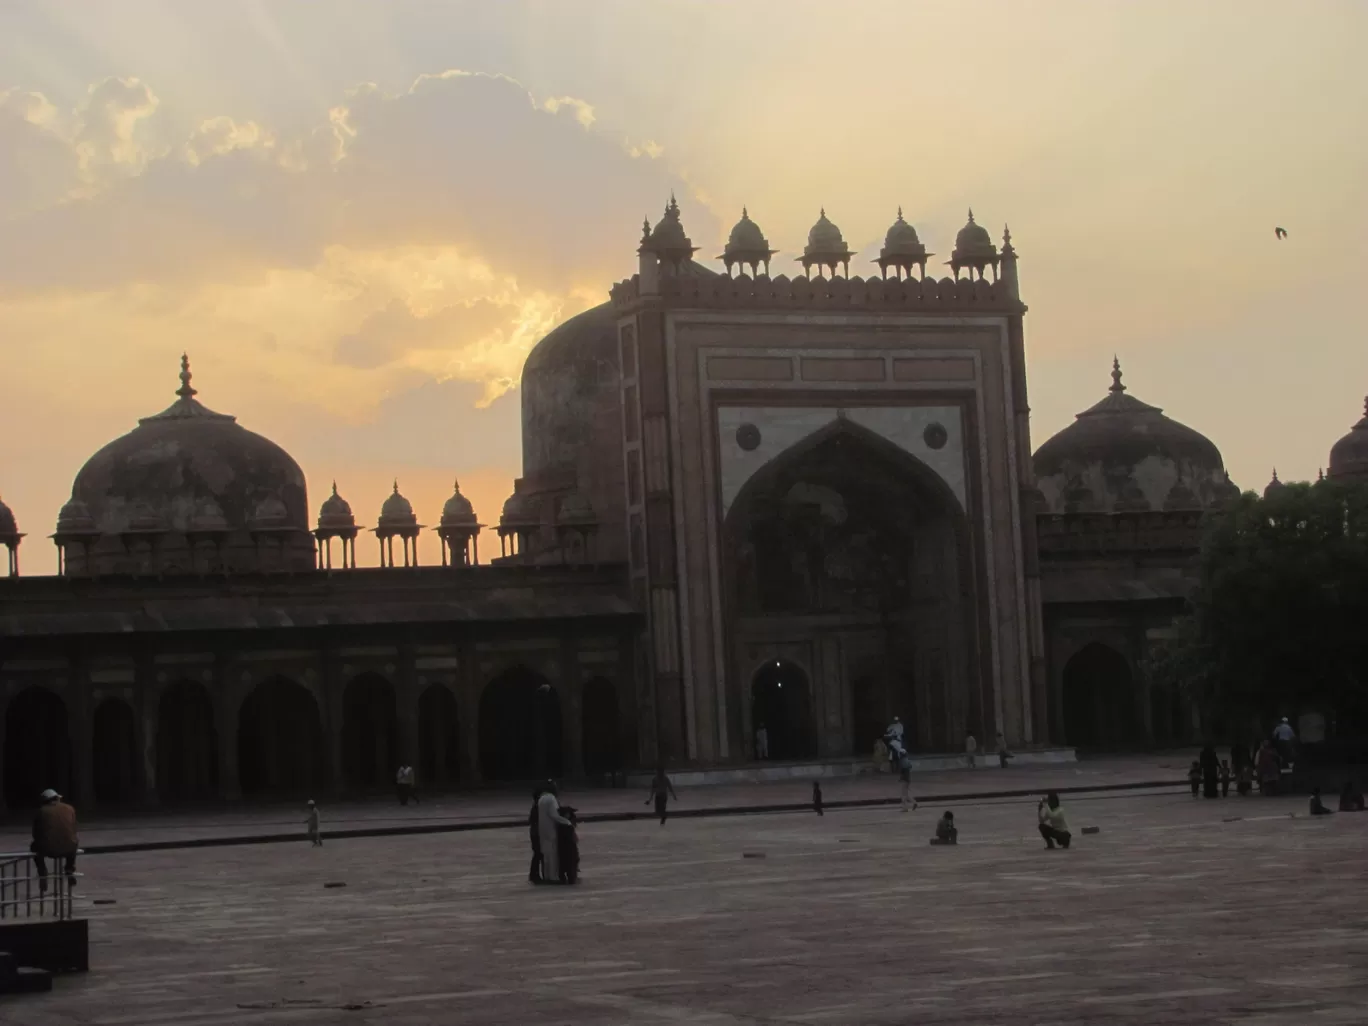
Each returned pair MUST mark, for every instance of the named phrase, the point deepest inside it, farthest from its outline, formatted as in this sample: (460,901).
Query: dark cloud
(388,334)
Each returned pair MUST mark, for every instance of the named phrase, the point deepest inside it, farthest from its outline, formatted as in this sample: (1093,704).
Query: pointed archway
(439,737)
(1099,700)
(187,744)
(370,733)
(520,727)
(37,747)
(781,702)
(280,741)
(114,753)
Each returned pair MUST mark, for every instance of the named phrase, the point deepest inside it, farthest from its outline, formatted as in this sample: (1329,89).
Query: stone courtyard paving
(1170,914)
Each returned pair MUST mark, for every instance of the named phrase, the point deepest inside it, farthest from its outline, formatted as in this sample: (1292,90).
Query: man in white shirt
(1285,738)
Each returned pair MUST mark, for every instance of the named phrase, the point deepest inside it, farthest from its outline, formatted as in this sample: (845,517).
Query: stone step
(31,981)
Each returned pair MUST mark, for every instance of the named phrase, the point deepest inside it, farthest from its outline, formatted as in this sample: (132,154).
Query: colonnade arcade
(185,738)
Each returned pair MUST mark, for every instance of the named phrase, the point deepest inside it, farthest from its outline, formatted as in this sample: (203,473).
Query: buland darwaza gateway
(809,502)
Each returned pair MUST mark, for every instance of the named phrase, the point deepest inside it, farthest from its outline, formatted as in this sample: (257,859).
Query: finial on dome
(823,211)
(1320,475)
(334,486)
(1116,376)
(185,391)
(900,217)
(971,215)
(645,230)
(396,486)
(1006,236)
(1275,475)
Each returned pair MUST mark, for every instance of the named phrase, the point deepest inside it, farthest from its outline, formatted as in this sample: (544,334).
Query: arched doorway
(187,744)
(439,737)
(847,534)
(520,727)
(280,741)
(37,747)
(602,744)
(370,733)
(114,753)
(1099,700)
(781,702)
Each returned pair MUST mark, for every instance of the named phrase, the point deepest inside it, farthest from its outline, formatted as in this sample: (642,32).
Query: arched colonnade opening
(520,727)
(1099,700)
(38,751)
(280,741)
(370,733)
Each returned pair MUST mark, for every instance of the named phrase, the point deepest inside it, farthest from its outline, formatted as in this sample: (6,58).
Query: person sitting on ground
(1195,777)
(946,833)
(1053,826)
(1317,806)
(1351,798)
(54,837)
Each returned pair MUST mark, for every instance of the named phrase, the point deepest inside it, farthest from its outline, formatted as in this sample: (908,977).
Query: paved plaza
(1175,912)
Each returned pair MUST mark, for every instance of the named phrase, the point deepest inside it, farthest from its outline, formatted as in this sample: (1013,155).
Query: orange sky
(358,217)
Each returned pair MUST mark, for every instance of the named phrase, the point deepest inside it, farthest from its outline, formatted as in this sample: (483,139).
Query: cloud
(390,333)
(460,159)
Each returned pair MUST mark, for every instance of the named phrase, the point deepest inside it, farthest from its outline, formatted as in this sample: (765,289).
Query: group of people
(555,846)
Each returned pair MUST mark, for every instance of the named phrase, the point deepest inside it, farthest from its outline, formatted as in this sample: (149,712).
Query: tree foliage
(1280,616)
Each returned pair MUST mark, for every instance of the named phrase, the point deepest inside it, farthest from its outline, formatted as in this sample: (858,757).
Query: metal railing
(24,894)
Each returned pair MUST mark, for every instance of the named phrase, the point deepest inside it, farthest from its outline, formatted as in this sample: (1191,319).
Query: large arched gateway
(853,553)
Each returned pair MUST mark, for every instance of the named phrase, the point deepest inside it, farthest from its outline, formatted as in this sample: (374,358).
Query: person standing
(54,837)
(1268,769)
(970,750)
(1053,826)
(548,818)
(311,824)
(661,792)
(905,783)
(401,788)
(761,742)
(1002,752)
(1286,740)
(1211,772)
(817,798)
(534,871)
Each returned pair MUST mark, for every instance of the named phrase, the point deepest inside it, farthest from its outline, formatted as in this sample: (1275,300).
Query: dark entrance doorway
(520,727)
(37,747)
(280,741)
(780,700)
(114,752)
(439,737)
(602,753)
(187,744)
(1099,700)
(370,733)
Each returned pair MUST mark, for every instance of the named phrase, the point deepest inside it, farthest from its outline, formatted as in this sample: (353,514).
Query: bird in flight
(1280,233)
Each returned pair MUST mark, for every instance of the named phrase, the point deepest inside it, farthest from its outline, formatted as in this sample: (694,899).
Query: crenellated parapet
(762,292)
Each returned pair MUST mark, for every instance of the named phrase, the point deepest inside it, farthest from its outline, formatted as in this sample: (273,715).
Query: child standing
(1225,778)
(1195,778)
(817,798)
(312,824)
(946,833)
(661,792)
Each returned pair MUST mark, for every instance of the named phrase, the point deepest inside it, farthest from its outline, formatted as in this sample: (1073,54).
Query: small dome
(458,512)
(336,513)
(576,509)
(747,243)
(973,237)
(518,511)
(1349,456)
(901,239)
(8,527)
(667,238)
(208,517)
(1273,485)
(824,237)
(1123,455)
(74,518)
(270,514)
(397,511)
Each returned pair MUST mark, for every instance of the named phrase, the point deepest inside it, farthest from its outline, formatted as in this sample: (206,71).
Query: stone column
(332,689)
(146,707)
(82,729)
(572,713)
(227,701)
(468,712)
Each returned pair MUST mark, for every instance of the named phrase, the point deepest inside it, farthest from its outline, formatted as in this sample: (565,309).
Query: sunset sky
(358,216)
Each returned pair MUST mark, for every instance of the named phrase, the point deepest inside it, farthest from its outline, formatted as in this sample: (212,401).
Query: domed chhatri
(902,250)
(518,522)
(668,241)
(10,537)
(157,479)
(747,246)
(1349,456)
(336,520)
(826,248)
(1274,485)
(974,250)
(335,513)
(1123,455)
(397,520)
(459,530)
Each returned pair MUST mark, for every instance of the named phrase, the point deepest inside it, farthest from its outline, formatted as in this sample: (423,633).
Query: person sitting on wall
(54,837)
(946,832)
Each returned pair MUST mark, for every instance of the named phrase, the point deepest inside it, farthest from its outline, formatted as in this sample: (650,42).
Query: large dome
(1349,456)
(173,467)
(1123,455)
